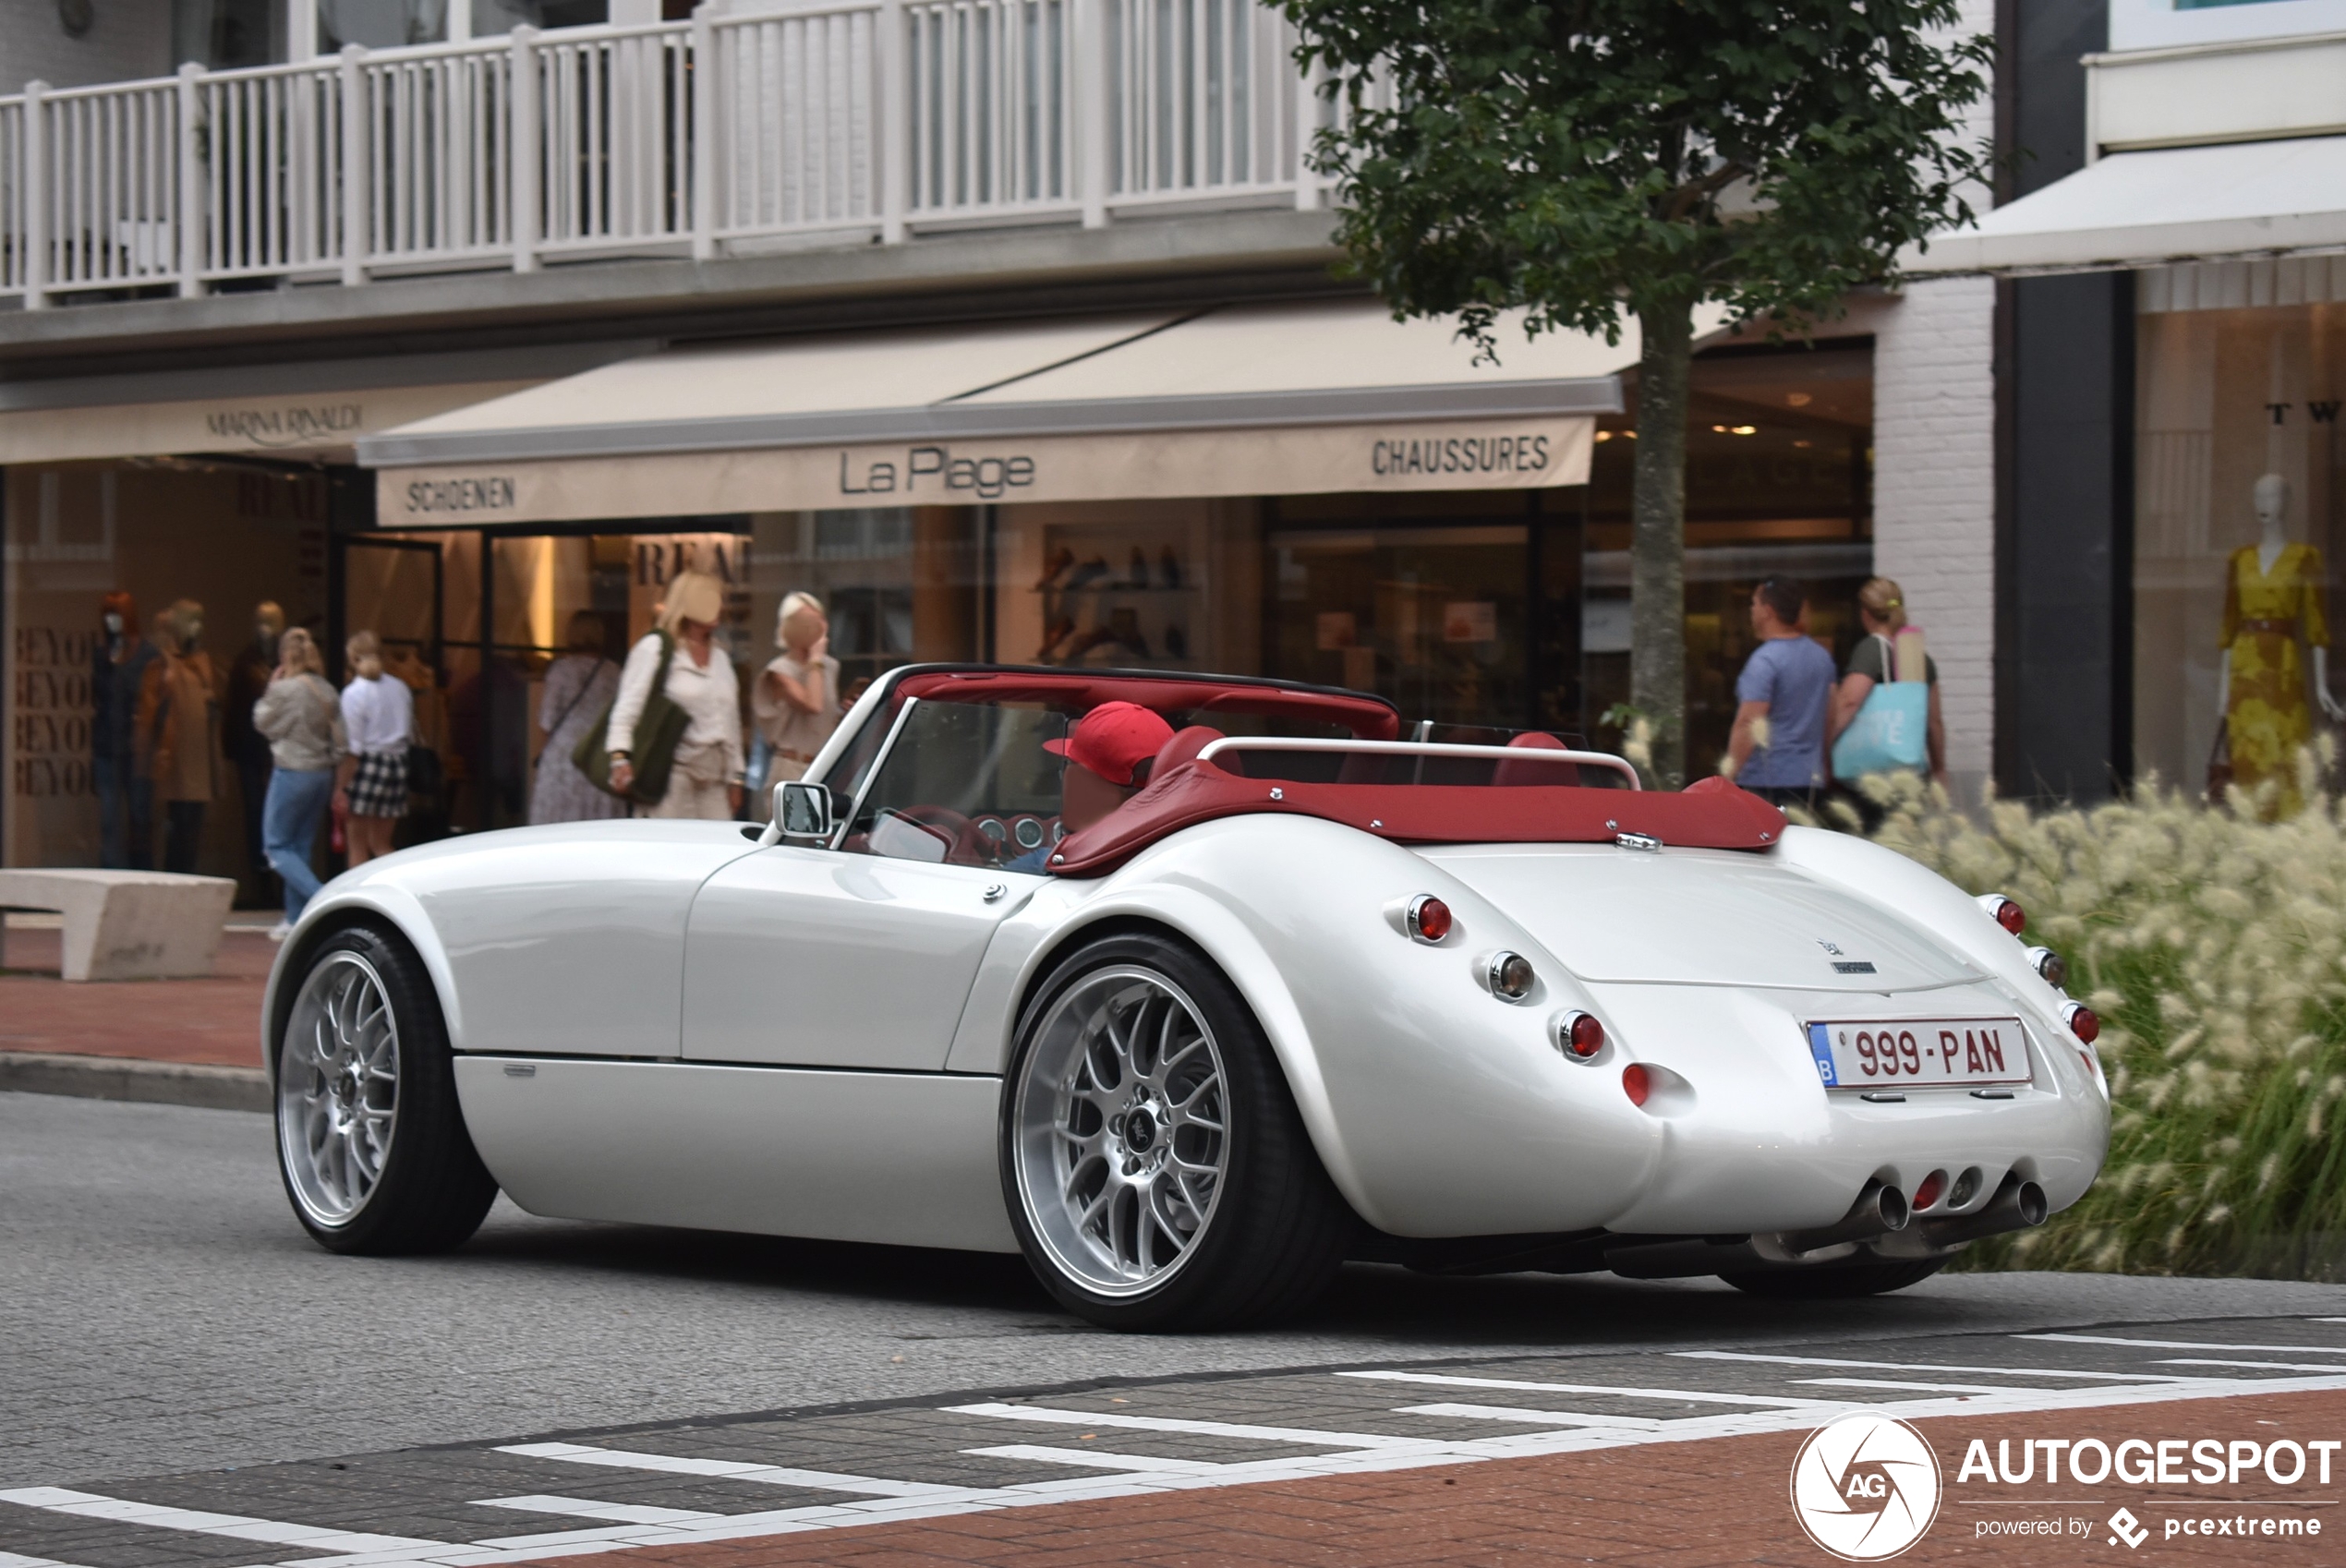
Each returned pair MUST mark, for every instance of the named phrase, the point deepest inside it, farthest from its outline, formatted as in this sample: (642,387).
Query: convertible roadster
(1313,986)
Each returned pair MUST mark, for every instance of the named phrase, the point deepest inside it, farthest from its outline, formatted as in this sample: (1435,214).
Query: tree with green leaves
(1602,161)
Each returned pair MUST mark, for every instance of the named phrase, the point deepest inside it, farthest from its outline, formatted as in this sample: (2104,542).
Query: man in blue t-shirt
(1787,684)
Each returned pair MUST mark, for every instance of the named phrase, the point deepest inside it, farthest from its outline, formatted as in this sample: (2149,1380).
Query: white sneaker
(280,931)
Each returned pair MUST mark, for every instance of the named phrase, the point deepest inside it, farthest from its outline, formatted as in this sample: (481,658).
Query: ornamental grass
(2211,942)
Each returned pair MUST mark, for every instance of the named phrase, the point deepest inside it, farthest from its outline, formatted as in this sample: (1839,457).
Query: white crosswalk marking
(1692,1396)
(1535,1418)
(12,1560)
(2181,1344)
(1093,1458)
(91,1505)
(592,1508)
(2261,1366)
(1920,1367)
(728,1469)
(1911,1388)
(1306,1435)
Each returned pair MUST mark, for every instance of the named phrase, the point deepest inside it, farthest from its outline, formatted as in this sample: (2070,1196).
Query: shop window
(1779,482)
(1430,617)
(2237,516)
(223,534)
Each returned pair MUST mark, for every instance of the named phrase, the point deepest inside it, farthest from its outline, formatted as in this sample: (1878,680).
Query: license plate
(1919,1051)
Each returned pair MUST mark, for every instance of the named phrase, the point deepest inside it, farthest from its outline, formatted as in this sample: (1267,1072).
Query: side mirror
(802,811)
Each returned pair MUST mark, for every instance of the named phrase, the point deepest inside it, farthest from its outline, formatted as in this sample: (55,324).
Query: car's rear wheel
(1155,1168)
(1829,1281)
(371,1141)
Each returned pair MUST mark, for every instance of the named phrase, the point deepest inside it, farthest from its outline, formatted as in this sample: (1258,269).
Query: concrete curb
(127,1078)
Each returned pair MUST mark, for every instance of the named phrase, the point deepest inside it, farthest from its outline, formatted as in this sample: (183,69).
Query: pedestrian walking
(1777,748)
(577,691)
(118,669)
(705,778)
(179,727)
(1874,662)
(301,718)
(796,701)
(379,714)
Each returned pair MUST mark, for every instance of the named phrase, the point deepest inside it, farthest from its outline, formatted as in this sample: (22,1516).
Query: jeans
(125,826)
(289,820)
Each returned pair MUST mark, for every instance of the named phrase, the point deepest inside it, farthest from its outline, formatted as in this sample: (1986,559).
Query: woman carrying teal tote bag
(1882,724)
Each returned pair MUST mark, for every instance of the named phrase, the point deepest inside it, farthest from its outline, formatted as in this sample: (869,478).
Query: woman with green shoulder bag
(674,742)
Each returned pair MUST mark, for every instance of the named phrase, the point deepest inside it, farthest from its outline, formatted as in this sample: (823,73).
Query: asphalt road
(161,1312)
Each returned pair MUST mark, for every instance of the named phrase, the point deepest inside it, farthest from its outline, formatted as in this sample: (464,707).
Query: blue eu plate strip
(1821,1047)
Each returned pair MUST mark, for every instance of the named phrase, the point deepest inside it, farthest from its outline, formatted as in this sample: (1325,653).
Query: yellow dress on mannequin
(2270,618)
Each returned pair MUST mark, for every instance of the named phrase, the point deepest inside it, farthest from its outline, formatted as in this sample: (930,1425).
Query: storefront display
(2237,497)
(169,533)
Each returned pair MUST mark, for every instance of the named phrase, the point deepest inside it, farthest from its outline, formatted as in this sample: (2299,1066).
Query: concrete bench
(128,924)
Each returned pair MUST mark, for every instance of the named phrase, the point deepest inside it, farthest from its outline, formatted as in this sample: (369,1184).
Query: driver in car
(1111,748)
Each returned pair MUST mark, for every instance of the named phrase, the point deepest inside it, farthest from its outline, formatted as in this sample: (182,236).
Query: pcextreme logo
(1864,1487)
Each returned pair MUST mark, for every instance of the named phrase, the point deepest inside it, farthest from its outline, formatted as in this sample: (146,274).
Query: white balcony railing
(726,133)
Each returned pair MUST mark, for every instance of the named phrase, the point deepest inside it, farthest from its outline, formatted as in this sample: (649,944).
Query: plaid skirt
(379,786)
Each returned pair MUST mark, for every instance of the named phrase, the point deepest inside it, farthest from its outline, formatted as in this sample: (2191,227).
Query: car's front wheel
(371,1141)
(1155,1168)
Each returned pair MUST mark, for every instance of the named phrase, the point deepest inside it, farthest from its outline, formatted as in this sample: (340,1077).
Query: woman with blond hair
(705,780)
(301,718)
(795,701)
(1881,610)
(379,712)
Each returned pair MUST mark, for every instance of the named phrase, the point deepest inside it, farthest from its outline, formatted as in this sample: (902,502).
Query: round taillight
(1579,1034)
(1933,1186)
(1510,976)
(2051,966)
(2005,911)
(1635,1082)
(1429,918)
(2082,1022)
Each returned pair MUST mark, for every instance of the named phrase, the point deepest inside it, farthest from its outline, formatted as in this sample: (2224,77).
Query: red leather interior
(1517,774)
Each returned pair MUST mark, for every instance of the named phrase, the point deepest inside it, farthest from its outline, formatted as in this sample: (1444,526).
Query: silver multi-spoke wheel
(1120,1129)
(338,1088)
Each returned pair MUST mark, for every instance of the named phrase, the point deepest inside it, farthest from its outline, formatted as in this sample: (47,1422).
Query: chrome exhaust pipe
(2017,1205)
(1879,1210)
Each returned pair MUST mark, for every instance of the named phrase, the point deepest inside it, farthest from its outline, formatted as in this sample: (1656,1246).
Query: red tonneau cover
(1712,815)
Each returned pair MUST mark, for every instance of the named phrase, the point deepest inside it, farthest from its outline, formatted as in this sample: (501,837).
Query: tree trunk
(1657,535)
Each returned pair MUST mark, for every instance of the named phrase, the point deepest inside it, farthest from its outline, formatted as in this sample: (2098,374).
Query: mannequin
(118,665)
(178,721)
(247,746)
(2276,636)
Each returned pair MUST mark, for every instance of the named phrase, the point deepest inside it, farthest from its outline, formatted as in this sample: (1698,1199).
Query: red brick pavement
(213,1022)
(1696,1504)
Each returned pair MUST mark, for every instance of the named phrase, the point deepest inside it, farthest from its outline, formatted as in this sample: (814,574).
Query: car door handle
(994,891)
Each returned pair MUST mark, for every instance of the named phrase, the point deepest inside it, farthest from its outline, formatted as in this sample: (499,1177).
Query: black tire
(429,1191)
(1275,1230)
(1833,1282)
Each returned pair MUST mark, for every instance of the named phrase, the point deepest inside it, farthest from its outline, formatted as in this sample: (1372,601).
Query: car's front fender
(357,896)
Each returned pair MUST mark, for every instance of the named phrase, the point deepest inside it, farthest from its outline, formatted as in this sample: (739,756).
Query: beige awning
(1259,400)
(311,425)
(2170,204)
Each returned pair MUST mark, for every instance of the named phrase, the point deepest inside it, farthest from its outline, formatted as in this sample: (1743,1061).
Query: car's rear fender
(1437,1108)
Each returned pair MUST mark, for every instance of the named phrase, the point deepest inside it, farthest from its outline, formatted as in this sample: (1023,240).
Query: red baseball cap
(1113,740)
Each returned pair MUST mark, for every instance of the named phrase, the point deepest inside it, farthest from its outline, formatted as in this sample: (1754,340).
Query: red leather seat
(1522,773)
(1184,747)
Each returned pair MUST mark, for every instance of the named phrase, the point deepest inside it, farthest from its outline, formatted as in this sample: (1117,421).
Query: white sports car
(1314,993)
